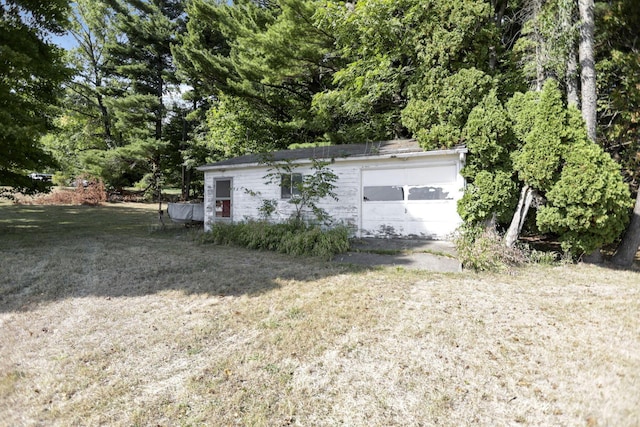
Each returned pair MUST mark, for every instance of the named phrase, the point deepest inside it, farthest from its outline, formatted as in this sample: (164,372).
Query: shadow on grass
(50,253)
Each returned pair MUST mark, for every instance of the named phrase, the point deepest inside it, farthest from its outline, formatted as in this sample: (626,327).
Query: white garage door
(417,202)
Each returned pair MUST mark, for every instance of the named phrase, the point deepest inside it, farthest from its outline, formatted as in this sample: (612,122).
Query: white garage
(385,189)
(412,201)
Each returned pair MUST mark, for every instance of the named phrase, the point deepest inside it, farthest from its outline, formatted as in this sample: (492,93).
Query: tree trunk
(571,80)
(186,182)
(571,75)
(526,197)
(588,66)
(594,257)
(628,248)
(499,8)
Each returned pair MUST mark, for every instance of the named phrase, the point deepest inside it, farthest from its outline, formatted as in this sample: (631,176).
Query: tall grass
(292,237)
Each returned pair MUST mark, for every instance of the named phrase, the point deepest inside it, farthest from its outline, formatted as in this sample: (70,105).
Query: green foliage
(31,73)
(236,127)
(407,62)
(491,194)
(549,37)
(489,137)
(141,71)
(587,201)
(292,238)
(588,206)
(481,249)
(438,110)
(84,120)
(263,65)
(313,187)
(267,208)
(546,144)
(542,122)
(545,257)
(491,191)
(618,79)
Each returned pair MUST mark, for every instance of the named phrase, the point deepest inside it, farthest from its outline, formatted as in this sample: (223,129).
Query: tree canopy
(31,72)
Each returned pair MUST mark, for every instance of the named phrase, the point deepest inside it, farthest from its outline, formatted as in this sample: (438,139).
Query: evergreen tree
(259,65)
(412,68)
(85,121)
(492,189)
(142,65)
(586,200)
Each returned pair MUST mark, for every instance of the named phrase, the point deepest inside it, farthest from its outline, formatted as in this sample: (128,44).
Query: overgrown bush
(292,237)
(580,195)
(483,249)
(589,205)
(492,191)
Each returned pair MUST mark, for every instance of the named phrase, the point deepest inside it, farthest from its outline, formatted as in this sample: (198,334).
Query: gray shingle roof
(398,146)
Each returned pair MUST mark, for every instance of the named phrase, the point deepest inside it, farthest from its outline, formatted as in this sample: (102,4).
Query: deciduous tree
(31,73)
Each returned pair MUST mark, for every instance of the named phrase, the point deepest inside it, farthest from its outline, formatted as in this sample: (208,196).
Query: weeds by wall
(293,237)
(482,249)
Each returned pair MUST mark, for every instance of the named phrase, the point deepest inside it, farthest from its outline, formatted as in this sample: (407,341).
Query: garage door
(417,202)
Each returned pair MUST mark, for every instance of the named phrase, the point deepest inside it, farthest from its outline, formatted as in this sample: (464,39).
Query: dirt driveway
(412,254)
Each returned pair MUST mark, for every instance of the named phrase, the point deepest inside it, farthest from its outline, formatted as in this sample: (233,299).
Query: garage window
(290,185)
(427,193)
(383,193)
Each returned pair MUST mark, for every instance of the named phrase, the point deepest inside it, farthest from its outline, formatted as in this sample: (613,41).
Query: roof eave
(399,155)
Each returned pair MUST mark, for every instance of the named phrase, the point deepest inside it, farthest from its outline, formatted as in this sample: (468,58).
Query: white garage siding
(408,195)
(250,189)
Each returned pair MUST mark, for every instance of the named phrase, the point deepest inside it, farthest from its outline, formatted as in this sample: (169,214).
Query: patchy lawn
(105,320)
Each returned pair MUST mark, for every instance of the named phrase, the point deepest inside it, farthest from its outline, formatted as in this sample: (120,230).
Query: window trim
(228,199)
(290,190)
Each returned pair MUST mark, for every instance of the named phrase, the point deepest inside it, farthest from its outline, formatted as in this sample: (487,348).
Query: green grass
(32,222)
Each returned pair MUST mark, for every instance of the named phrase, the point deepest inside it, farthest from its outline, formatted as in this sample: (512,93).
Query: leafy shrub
(292,238)
(482,249)
(309,191)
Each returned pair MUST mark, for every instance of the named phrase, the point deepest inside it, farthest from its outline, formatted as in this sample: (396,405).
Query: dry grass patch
(104,322)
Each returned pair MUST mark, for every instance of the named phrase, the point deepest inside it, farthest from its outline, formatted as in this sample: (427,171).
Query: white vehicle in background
(41,176)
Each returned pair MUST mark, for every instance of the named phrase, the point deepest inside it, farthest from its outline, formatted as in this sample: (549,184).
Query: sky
(65,41)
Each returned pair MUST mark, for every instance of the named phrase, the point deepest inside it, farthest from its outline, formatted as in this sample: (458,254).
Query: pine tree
(141,62)
(258,64)
(84,121)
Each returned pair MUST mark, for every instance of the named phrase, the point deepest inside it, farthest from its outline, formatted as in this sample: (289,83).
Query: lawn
(107,320)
